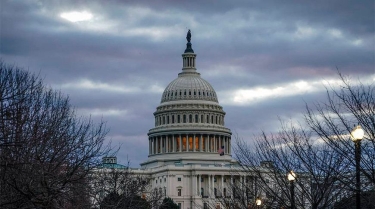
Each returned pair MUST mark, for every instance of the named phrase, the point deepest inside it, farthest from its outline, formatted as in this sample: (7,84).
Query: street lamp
(292,177)
(357,135)
(258,202)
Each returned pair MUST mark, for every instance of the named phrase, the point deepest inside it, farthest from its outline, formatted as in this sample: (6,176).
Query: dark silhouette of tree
(118,201)
(46,151)
(168,203)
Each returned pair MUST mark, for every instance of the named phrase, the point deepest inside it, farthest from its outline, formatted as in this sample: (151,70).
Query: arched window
(216,120)
(184,118)
(172,118)
(163,119)
(190,119)
(189,92)
(201,118)
(196,119)
(195,93)
(167,119)
(178,119)
(208,119)
(185,93)
(212,119)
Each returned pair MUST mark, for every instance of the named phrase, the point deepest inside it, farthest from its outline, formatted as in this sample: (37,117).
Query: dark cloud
(116,65)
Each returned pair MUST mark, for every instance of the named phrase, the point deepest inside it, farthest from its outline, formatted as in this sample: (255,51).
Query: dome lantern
(188,57)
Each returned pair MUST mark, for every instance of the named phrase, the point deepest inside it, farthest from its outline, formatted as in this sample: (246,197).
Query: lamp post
(356,135)
(258,202)
(292,177)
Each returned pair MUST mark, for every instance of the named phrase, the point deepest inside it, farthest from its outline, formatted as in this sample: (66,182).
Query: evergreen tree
(168,203)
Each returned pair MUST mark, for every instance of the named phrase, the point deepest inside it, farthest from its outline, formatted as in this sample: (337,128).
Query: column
(230,146)
(209,186)
(154,145)
(222,185)
(213,186)
(241,182)
(162,144)
(231,186)
(173,144)
(167,144)
(180,143)
(194,143)
(157,145)
(199,184)
(215,142)
(150,145)
(194,184)
(201,143)
(220,144)
(245,187)
(225,145)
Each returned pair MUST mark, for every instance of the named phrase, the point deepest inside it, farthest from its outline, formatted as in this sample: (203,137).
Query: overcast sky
(265,59)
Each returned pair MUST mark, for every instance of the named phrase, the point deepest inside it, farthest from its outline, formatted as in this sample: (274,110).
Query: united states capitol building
(190,148)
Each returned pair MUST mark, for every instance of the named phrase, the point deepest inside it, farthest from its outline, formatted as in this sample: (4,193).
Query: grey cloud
(239,44)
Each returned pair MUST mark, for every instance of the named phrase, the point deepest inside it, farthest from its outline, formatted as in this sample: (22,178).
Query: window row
(183,93)
(172,119)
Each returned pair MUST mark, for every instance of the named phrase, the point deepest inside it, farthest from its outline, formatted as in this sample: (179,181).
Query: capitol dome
(189,122)
(189,86)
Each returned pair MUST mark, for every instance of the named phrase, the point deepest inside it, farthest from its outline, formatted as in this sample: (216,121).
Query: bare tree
(46,151)
(332,121)
(274,156)
(116,186)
